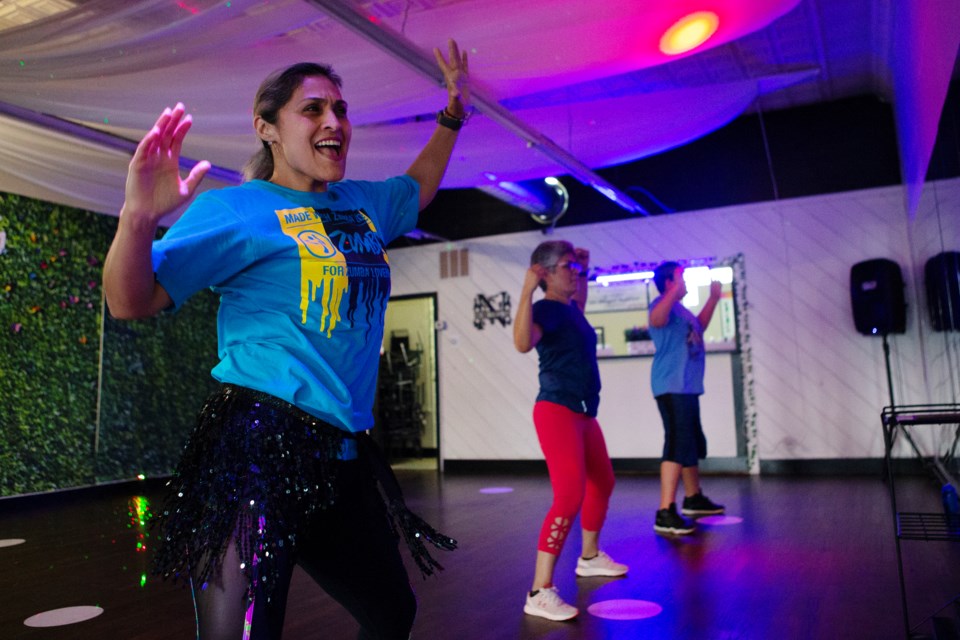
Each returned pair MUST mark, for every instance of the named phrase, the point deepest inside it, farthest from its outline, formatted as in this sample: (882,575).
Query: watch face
(449,122)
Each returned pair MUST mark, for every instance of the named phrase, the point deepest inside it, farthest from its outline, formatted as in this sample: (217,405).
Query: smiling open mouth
(332,145)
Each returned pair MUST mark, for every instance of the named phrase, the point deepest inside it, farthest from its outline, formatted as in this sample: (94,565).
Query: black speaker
(942,277)
(876,291)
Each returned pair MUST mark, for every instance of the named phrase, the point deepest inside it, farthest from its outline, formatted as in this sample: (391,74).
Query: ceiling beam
(103,139)
(125,145)
(424,63)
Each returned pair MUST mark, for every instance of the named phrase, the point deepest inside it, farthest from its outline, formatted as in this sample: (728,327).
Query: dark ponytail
(274,92)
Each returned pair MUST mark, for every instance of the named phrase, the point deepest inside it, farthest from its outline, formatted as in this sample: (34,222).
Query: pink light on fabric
(689,32)
(925,43)
(684,27)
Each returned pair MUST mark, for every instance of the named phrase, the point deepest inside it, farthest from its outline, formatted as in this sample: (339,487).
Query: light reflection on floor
(415,464)
(721,520)
(64,616)
(624,609)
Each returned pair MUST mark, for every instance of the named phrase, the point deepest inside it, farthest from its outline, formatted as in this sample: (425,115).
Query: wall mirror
(619,300)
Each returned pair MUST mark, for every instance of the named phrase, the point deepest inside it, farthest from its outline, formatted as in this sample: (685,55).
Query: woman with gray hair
(565,419)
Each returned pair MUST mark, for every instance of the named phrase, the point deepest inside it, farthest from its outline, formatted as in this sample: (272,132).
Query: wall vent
(454,263)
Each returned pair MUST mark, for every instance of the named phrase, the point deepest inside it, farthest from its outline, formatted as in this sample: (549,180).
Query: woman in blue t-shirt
(278,471)
(565,418)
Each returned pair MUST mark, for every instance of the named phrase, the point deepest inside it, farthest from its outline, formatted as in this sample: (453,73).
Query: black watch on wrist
(446,120)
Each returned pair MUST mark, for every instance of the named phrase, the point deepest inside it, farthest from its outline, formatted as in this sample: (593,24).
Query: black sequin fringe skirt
(254,469)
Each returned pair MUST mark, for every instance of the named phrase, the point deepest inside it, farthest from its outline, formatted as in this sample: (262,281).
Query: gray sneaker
(547,603)
(600,565)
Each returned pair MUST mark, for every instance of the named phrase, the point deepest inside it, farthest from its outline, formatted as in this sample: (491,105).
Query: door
(407,403)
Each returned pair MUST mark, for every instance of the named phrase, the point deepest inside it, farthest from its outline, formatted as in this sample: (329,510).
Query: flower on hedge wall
(43,264)
(35,308)
(83,339)
(74,299)
(92,261)
(92,284)
(15,328)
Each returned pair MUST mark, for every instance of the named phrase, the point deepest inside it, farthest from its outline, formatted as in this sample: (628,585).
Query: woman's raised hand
(583,257)
(456,75)
(532,278)
(154,187)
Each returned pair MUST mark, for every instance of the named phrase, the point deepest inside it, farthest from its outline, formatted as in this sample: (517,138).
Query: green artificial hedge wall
(87,399)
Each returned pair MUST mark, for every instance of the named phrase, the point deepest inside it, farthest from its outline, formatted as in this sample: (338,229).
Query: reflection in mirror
(619,300)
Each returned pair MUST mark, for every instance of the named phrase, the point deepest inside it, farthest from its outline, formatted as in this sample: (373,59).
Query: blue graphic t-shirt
(678,363)
(303,280)
(569,375)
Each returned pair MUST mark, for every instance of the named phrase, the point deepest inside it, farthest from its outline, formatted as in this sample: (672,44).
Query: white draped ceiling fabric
(113,66)
(927,40)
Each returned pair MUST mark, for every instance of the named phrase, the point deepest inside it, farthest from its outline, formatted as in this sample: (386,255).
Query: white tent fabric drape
(113,66)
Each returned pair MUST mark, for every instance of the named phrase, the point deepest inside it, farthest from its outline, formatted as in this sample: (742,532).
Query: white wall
(631,421)
(819,385)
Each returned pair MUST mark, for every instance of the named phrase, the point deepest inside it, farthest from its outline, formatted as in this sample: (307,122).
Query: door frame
(432,296)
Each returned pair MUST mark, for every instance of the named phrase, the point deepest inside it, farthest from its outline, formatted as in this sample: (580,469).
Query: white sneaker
(600,565)
(548,604)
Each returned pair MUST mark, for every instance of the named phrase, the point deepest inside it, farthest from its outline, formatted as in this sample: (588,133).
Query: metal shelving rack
(926,527)
(400,398)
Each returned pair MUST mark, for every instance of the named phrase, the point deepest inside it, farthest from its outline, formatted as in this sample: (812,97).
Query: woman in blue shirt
(278,471)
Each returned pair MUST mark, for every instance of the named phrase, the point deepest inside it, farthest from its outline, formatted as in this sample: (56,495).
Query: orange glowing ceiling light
(689,32)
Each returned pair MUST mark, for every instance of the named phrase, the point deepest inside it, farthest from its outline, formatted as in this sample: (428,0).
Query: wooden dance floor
(794,558)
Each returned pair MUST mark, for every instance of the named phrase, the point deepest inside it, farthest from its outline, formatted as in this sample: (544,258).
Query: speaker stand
(893,404)
(933,463)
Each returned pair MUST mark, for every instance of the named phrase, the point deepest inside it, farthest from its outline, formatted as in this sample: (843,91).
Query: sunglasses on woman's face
(570,266)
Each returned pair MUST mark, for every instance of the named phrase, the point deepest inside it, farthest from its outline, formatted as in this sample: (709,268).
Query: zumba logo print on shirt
(694,338)
(340,253)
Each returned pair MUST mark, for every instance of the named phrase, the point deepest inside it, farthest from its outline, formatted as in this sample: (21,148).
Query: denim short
(683,442)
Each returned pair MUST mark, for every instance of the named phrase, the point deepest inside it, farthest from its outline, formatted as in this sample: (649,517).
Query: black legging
(348,549)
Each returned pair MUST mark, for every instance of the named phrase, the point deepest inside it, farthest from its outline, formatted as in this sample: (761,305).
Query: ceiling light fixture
(606,280)
(544,199)
(693,276)
(689,32)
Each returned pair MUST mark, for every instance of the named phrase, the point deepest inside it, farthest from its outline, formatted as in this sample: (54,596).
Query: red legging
(580,472)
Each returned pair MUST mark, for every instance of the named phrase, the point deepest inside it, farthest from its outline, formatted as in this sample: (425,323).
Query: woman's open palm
(154,187)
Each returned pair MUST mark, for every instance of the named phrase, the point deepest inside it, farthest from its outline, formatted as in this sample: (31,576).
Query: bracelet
(444,119)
